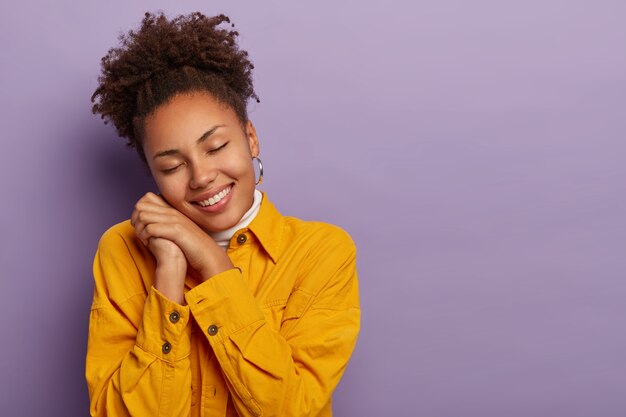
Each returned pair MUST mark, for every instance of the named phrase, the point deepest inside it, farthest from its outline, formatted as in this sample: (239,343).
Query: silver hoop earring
(260,180)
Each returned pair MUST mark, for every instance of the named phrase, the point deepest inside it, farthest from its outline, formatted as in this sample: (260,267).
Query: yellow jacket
(271,337)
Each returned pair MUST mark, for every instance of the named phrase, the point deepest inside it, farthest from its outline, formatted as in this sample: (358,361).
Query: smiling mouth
(216,198)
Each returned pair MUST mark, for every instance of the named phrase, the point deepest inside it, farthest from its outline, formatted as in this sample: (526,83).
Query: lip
(211,193)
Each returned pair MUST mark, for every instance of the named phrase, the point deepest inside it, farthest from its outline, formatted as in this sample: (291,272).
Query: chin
(220,226)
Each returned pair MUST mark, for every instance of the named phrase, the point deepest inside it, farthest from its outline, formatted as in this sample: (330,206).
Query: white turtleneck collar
(223,238)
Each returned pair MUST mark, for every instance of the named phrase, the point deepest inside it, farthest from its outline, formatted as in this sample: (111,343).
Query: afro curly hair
(168,57)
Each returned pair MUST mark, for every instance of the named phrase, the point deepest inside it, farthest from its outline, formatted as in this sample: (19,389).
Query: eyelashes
(212,151)
(209,152)
(170,170)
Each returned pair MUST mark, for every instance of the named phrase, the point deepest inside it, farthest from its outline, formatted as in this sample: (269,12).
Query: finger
(167,203)
(166,231)
(154,207)
(150,205)
(157,199)
(146,218)
(160,243)
(149,199)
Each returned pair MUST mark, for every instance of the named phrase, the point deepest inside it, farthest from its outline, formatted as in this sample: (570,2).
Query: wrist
(169,280)
(215,266)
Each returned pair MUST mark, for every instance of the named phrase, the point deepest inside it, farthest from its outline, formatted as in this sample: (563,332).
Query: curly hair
(169,57)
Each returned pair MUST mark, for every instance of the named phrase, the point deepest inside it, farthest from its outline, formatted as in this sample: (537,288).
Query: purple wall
(474,150)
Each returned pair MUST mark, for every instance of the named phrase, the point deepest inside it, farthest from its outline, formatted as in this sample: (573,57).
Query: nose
(201,176)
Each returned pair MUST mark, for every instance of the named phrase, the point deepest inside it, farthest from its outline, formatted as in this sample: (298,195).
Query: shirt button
(167,347)
(241,239)
(212,330)
(174,316)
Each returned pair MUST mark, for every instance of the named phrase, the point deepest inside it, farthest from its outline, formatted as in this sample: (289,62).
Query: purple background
(474,150)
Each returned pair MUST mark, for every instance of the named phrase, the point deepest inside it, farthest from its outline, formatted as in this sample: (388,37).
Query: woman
(208,301)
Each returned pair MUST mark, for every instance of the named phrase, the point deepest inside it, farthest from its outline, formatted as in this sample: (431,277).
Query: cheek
(172,188)
(240,167)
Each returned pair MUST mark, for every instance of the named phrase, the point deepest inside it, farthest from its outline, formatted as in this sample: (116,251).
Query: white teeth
(215,199)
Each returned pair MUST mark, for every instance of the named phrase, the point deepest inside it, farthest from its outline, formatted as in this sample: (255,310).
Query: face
(201,159)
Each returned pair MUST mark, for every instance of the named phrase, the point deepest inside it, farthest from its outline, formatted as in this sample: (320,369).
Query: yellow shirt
(271,337)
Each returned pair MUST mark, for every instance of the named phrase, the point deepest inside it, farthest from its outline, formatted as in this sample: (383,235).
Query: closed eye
(170,170)
(212,151)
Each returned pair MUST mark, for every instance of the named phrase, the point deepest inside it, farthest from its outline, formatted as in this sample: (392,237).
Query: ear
(253,140)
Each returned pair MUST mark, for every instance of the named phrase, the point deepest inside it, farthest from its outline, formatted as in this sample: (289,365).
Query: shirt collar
(268,227)
(222,238)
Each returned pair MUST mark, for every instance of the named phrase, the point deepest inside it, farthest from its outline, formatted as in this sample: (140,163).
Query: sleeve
(293,371)
(139,342)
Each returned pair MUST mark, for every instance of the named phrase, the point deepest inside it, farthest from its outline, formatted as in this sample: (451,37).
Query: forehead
(185,118)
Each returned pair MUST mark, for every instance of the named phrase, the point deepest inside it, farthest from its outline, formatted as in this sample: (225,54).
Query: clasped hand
(176,243)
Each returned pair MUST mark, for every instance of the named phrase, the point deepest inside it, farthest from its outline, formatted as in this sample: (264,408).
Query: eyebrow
(201,139)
